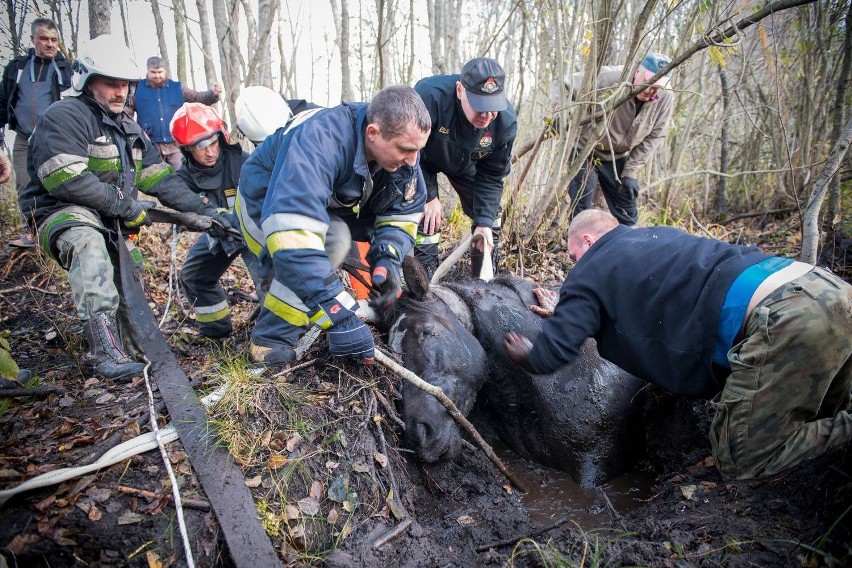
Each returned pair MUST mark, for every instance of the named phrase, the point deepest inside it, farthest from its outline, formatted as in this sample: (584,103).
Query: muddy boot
(427,254)
(106,354)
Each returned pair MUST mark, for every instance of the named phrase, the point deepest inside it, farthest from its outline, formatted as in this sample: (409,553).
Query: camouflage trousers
(83,252)
(788,396)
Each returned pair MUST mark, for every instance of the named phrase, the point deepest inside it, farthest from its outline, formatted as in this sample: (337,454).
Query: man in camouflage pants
(767,338)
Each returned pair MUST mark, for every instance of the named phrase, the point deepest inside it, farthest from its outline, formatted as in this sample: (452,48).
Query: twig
(386,360)
(758,214)
(387,537)
(26,287)
(514,539)
(39,392)
(615,513)
(388,408)
(198,504)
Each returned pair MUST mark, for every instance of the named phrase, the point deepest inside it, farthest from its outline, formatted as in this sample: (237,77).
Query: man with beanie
(31,83)
(633,133)
(473,130)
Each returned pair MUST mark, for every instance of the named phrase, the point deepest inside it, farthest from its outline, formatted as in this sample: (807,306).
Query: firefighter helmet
(106,56)
(196,125)
(261,111)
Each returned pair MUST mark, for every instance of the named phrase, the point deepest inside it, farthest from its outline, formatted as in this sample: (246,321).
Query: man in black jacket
(473,130)
(31,83)
(768,338)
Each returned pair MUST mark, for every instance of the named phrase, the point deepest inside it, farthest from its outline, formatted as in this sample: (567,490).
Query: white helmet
(107,56)
(260,112)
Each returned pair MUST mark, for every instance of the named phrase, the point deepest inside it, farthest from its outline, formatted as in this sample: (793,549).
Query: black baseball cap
(483,80)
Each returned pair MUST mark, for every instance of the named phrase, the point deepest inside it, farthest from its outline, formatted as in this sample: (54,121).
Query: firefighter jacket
(80,155)
(219,182)
(12,75)
(628,133)
(475,160)
(314,167)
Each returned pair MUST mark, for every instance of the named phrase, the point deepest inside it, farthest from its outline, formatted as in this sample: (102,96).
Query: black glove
(223,223)
(631,185)
(386,280)
(132,212)
(348,335)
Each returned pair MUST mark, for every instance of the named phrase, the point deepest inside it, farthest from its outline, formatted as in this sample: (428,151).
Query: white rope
(172,273)
(175,489)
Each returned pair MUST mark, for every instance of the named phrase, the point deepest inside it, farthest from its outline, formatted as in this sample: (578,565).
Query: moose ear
(415,277)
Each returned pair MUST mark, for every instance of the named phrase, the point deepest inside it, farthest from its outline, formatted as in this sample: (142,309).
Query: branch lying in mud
(515,539)
(38,392)
(388,362)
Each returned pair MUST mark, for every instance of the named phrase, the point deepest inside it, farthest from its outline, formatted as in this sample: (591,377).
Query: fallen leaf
(276,461)
(333,515)
(360,467)
(293,442)
(129,518)
(95,514)
(380,458)
(22,542)
(153,559)
(297,531)
(292,512)
(309,506)
(507,488)
(9,474)
(688,491)
(707,485)
(253,482)
(316,490)
(331,465)
(465,520)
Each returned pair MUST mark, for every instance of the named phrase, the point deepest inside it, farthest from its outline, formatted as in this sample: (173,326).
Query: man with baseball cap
(634,131)
(473,129)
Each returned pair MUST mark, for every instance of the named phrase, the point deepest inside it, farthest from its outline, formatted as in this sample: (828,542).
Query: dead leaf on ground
(380,458)
(277,460)
(253,481)
(316,490)
(688,491)
(309,506)
(22,542)
(293,442)
(95,514)
(153,559)
(292,512)
(129,518)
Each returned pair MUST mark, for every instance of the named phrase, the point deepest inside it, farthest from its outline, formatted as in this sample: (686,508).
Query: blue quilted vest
(156,107)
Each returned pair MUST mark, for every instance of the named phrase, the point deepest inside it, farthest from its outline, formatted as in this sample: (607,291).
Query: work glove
(348,335)
(630,185)
(386,280)
(224,224)
(133,213)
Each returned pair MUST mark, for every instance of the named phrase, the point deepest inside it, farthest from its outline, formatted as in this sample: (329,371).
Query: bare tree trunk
(833,213)
(16,25)
(340,13)
(100,17)
(383,13)
(180,37)
(124,22)
(226,21)
(161,35)
(266,11)
(206,44)
(262,55)
(721,203)
(810,223)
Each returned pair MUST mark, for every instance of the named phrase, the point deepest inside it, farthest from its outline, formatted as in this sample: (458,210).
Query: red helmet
(194,124)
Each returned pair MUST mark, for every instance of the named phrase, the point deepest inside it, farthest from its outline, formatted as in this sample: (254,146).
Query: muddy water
(552,494)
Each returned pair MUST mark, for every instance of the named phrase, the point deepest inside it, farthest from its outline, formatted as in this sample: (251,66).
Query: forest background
(761,123)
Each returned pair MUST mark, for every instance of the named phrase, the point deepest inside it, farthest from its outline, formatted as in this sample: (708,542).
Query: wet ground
(675,511)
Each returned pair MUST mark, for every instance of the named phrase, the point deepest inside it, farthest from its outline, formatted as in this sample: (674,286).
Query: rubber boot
(427,254)
(106,353)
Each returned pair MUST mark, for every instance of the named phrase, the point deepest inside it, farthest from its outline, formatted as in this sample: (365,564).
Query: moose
(581,419)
